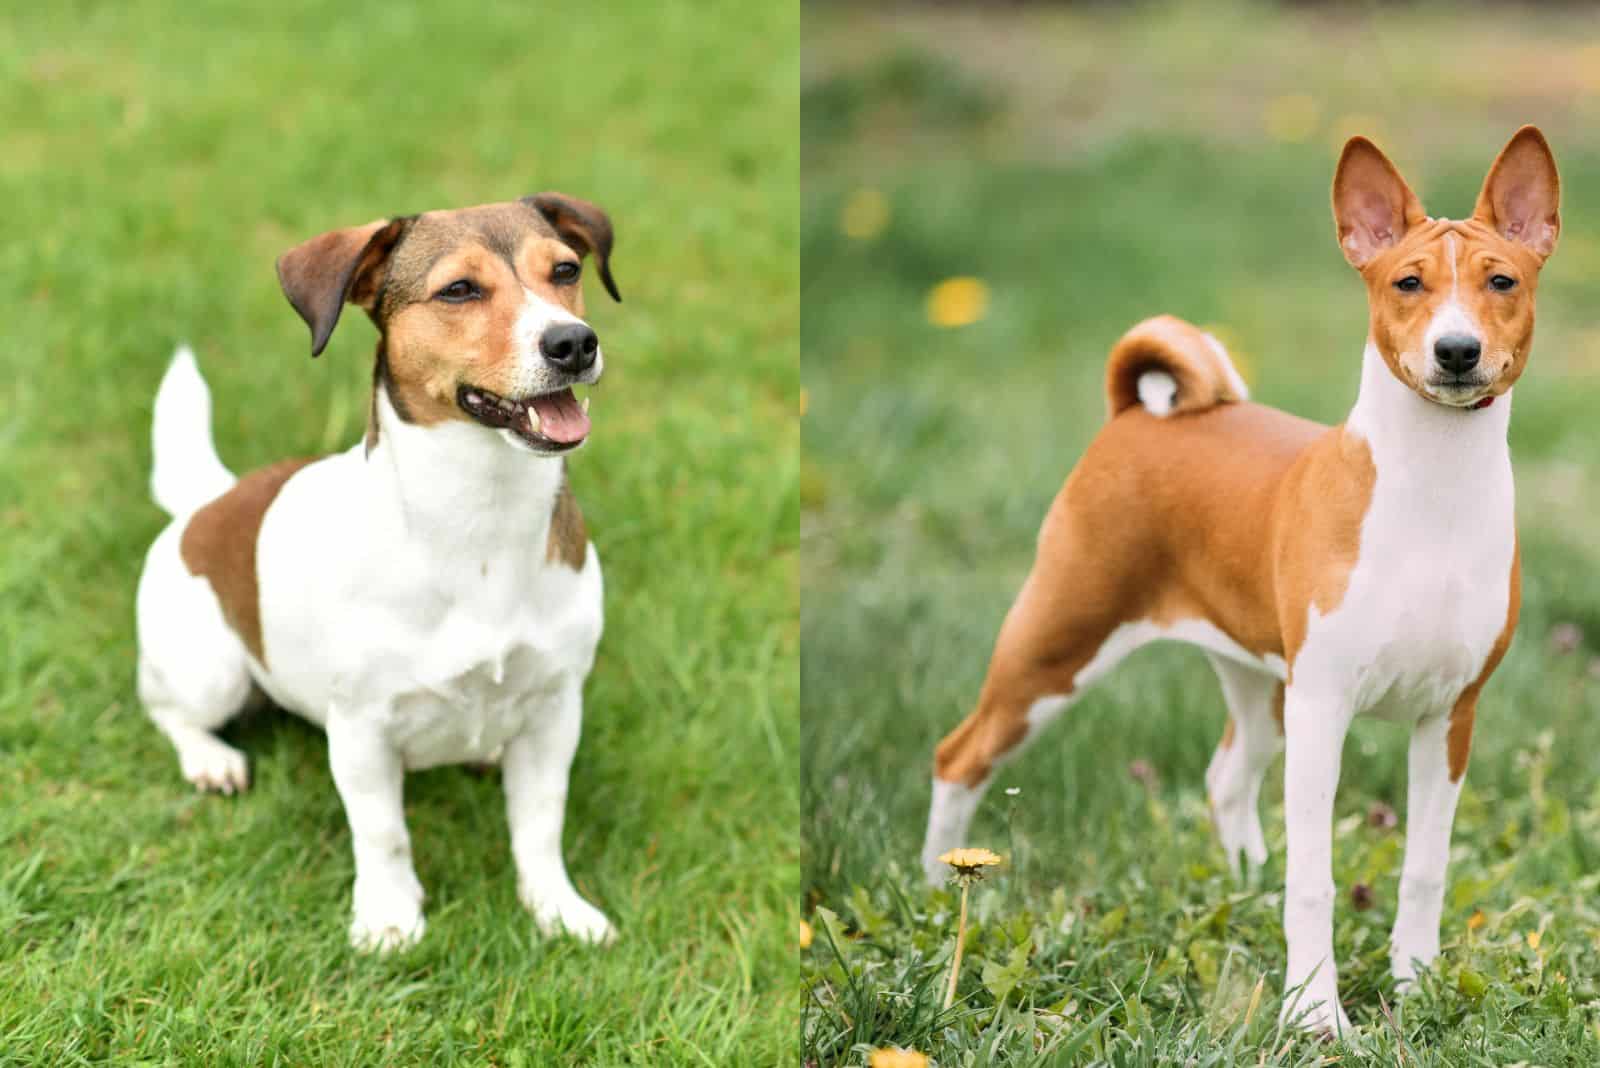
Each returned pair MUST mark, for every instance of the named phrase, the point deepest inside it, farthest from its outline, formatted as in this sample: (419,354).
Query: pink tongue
(560,417)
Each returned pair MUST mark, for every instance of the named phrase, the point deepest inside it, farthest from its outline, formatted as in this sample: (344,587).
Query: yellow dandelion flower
(1476,920)
(1292,118)
(805,935)
(958,302)
(898,1058)
(1534,938)
(968,860)
(865,214)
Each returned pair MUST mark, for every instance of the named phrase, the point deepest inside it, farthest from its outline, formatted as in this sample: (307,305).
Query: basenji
(429,596)
(1369,567)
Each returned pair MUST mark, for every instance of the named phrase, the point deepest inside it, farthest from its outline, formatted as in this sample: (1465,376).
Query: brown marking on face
(1458,740)
(568,541)
(219,544)
(395,270)
(1385,234)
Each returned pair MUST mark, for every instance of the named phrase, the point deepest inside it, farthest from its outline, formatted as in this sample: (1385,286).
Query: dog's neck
(1436,449)
(460,487)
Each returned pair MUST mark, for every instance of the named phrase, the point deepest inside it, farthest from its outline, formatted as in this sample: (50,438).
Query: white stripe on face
(533,374)
(1451,317)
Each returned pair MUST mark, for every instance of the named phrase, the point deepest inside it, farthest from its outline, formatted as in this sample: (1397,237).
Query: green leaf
(1112,922)
(1001,979)
(842,946)
(1472,985)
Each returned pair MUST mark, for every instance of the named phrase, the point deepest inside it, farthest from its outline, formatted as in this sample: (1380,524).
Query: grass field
(157,157)
(1088,169)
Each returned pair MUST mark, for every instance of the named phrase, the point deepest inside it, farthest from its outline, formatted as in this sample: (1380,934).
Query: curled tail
(186,471)
(1169,365)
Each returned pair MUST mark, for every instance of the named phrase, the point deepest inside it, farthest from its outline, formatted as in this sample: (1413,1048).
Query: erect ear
(1372,205)
(581,225)
(1521,197)
(319,275)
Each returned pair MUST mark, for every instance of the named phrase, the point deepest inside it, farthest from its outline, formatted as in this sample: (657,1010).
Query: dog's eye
(1502,283)
(564,273)
(1409,284)
(460,291)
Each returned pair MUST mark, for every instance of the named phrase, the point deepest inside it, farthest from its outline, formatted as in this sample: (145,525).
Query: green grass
(1102,169)
(157,157)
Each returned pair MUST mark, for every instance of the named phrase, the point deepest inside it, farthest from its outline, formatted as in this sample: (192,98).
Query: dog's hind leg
(193,671)
(1250,742)
(1065,631)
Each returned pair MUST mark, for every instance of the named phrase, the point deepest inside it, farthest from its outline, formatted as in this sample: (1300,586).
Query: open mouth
(551,422)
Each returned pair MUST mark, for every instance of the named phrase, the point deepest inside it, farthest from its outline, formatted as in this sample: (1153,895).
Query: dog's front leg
(1314,733)
(1430,810)
(535,767)
(370,775)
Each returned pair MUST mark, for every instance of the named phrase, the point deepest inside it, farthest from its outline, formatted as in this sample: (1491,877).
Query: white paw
(1317,1012)
(214,767)
(386,921)
(571,915)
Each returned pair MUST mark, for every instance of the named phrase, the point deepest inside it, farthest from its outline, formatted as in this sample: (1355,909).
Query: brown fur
(1243,516)
(1167,343)
(568,542)
(219,544)
(1458,740)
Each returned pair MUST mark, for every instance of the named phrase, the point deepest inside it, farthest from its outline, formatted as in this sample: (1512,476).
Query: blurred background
(991,195)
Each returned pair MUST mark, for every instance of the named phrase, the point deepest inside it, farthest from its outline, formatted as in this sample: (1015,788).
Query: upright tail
(1169,366)
(186,472)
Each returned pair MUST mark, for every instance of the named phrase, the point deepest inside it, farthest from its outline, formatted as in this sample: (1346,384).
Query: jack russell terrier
(1369,567)
(429,596)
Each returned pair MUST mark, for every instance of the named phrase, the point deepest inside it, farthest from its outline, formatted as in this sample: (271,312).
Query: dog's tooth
(506,404)
(533,420)
(584,404)
(473,398)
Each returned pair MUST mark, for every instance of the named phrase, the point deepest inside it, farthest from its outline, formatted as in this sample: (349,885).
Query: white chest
(1426,601)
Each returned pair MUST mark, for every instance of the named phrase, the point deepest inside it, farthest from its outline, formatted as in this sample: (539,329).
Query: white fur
(1451,317)
(1423,608)
(407,606)
(185,471)
(1158,392)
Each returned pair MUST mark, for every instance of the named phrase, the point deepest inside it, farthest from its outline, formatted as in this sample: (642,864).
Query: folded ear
(581,225)
(319,275)
(1372,205)
(1521,197)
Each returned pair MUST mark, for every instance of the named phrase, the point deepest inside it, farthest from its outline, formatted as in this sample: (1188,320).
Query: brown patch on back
(568,541)
(1160,521)
(1458,740)
(219,544)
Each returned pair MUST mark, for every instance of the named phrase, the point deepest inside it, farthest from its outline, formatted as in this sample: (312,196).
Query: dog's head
(480,311)
(1451,302)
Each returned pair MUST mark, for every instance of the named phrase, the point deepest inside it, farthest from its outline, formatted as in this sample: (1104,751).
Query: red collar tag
(1484,403)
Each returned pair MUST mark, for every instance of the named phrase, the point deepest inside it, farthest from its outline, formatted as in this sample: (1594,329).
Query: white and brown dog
(428,596)
(1327,572)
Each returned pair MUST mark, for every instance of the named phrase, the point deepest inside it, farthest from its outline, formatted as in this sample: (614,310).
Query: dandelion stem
(961,939)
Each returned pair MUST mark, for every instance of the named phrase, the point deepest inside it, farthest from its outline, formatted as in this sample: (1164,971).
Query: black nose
(1457,353)
(570,347)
